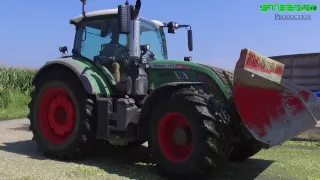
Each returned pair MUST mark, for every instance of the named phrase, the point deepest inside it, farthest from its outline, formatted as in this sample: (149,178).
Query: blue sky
(32,31)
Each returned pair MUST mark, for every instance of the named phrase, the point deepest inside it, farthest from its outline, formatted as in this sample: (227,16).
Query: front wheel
(185,137)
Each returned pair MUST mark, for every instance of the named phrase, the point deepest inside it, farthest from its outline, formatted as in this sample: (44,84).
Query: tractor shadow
(23,127)
(135,163)
(246,170)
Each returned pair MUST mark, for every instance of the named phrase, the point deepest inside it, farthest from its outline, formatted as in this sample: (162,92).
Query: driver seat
(120,79)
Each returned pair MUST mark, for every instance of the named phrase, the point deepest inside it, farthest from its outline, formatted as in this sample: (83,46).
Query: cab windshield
(101,38)
(153,35)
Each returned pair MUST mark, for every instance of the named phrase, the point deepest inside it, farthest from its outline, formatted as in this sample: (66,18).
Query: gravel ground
(20,160)
(312,134)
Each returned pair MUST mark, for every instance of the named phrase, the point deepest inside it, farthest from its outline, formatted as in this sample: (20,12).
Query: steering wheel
(121,56)
(121,53)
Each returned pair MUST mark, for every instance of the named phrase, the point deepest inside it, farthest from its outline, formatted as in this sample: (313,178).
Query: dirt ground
(310,135)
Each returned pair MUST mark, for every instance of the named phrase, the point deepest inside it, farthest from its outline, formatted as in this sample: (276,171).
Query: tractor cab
(100,38)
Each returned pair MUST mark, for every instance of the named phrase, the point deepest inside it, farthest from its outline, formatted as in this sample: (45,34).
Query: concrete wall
(302,69)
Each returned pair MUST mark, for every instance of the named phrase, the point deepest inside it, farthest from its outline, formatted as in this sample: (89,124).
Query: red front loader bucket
(273,109)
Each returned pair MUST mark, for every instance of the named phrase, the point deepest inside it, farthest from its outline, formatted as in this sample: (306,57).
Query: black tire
(244,150)
(208,130)
(81,139)
(135,144)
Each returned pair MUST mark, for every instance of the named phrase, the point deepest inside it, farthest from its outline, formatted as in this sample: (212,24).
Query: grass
(302,143)
(15,87)
(293,160)
(16,107)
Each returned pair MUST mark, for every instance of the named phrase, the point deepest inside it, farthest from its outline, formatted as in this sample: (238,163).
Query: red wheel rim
(56,115)
(167,127)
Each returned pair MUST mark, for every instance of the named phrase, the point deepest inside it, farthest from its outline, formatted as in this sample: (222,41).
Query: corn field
(14,80)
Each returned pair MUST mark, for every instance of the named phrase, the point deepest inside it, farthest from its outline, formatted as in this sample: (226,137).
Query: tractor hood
(220,73)
(192,69)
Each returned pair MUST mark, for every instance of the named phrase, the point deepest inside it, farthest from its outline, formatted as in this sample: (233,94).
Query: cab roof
(106,12)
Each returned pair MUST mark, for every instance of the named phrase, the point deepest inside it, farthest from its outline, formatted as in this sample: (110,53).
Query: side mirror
(124,17)
(190,40)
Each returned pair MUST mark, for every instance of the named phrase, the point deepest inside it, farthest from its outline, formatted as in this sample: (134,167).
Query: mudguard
(95,79)
(272,108)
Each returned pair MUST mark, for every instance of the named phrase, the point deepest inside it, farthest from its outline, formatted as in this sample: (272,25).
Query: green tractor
(119,87)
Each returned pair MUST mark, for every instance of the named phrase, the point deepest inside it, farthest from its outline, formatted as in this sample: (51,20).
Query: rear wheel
(185,137)
(61,115)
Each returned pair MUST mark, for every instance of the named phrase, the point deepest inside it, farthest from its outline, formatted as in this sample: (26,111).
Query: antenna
(138,6)
(84,2)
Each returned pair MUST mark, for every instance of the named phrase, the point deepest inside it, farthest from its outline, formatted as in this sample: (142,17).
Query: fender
(149,101)
(95,80)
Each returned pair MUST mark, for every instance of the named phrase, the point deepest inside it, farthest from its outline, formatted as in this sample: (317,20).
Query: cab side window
(96,36)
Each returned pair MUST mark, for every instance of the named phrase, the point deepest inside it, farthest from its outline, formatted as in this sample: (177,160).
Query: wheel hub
(57,115)
(182,136)
(60,115)
(175,137)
